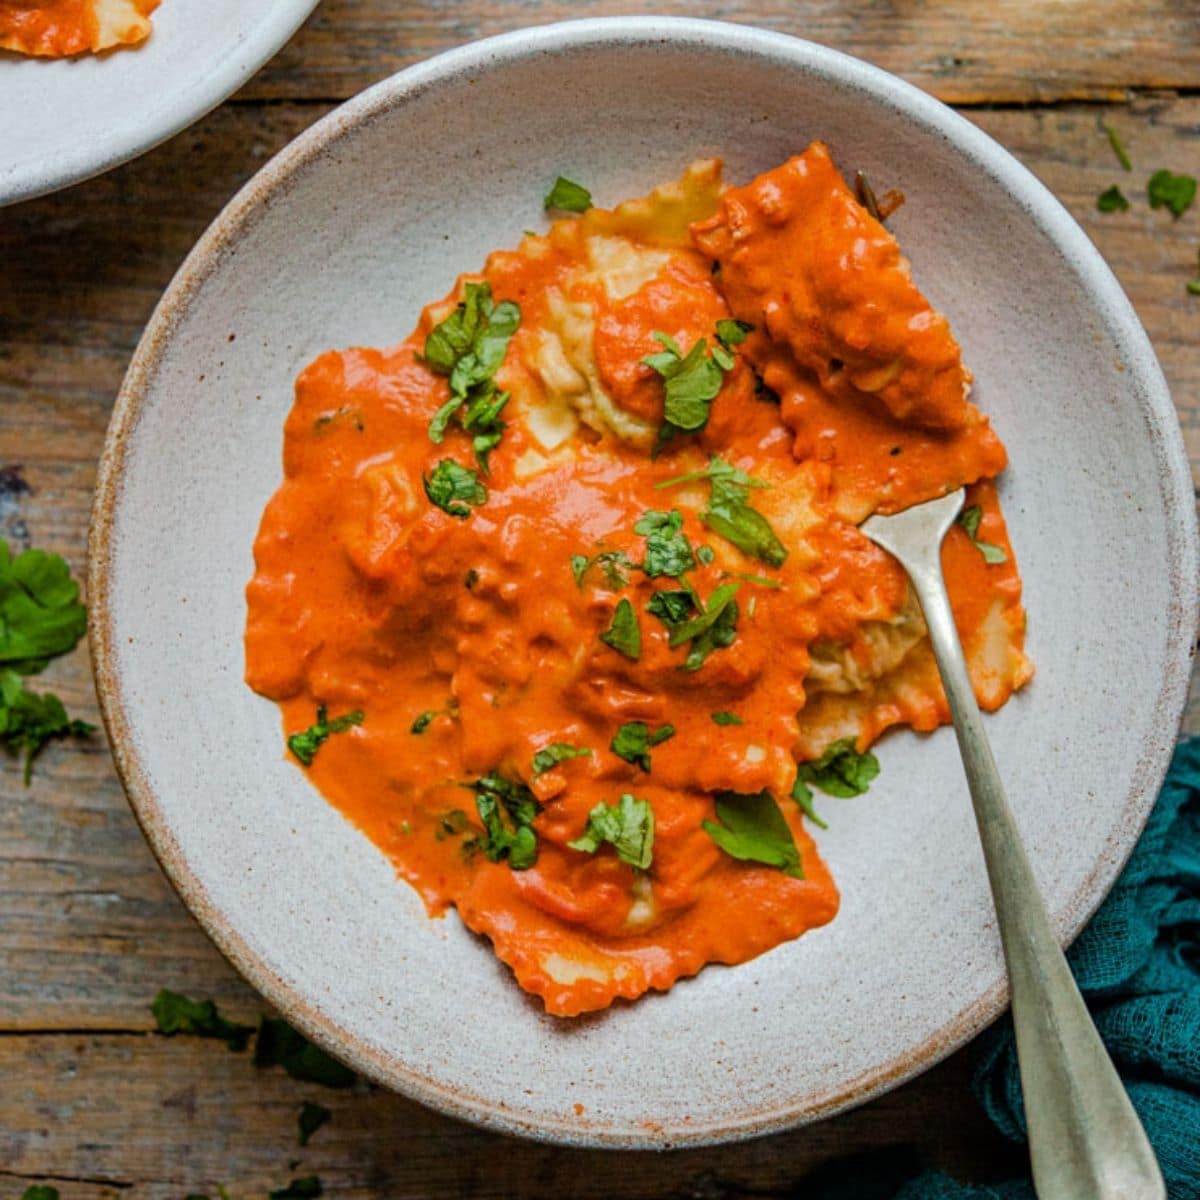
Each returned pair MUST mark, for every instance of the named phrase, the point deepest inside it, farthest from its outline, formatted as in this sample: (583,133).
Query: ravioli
(575,573)
(62,28)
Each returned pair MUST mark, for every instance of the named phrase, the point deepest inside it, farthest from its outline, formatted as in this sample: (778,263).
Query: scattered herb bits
(969,520)
(627,826)
(1112,200)
(305,745)
(727,718)
(1175,192)
(311,1118)
(175,1013)
(624,635)
(752,829)
(507,810)
(840,771)
(557,752)
(307,1188)
(453,487)
(279,1045)
(634,741)
(1118,149)
(567,196)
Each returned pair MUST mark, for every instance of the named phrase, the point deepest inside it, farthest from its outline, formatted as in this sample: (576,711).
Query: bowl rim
(910,103)
(52,173)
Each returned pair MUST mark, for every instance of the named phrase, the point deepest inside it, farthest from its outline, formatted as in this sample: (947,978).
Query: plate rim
(54,172)
(1041,206)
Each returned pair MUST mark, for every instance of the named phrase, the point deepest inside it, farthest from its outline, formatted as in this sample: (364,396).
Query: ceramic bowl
(338,241)
(65,120)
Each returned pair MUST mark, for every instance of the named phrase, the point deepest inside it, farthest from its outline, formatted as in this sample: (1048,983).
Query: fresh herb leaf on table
(568,196)
(279,1045)
(1112,200)
(1118,149)
(312,1117)
(304,745)
(1175,192)
(307,1188)
(753,829)
(175,1013)
(628,827)
(40,1191)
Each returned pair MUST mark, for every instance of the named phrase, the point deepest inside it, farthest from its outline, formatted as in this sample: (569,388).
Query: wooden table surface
(91,1099)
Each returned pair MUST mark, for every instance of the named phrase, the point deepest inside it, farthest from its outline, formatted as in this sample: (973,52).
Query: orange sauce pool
(62,28)
(470,641)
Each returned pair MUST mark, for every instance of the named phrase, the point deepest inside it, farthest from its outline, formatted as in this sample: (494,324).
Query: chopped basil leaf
(451,824)
(692,382)
(753,829)
(730,515)
(716,623)
(469,346)
(633,742)
(307,1188)
(555,753)
(732,333)
(628,827)
(29,720)
(451,482)
(279,1045)
(624,635)
(727,718)
(568,196)
(840,771)
(312,1117)
(1176,192)
(306,744)
(1112,200)
(174,1014)
(614,562)
(1119,150)
(668,551)
(507,810)
(671,608)
(422,722)
(969,519)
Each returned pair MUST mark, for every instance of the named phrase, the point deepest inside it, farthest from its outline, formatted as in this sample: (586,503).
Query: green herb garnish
(840,771)
(423,722)
(715,628)
(732,333)
(633,742)
(307,1188)
(730,515)
(555,753)
(628,827)
(306,744)
(507,810)
(568,196)
(311,1118)
(1112,200)
(969,519)
(1175,192)
(614,562)
(174,1014)
(624,635)
(726,718)
(29,720)
(42,1191)
(691,384)
(469,346)
(1115,142)
(450,483)
(279,1045)
(753,829)
(671,608)
(668,551)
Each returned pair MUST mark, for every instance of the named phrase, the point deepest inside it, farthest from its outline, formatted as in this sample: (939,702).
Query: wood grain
(963,51)
(89,929)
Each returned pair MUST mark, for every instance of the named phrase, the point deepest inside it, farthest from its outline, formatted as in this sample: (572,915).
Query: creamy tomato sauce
(471,641)
(61,28)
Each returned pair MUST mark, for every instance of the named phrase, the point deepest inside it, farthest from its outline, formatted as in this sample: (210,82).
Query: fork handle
(1085,1139)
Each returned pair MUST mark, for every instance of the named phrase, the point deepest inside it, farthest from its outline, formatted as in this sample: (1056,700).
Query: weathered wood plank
(204,1116)
(962,51)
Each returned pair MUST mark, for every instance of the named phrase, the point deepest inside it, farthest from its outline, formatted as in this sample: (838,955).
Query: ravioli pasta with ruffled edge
(62,28)
(564,598)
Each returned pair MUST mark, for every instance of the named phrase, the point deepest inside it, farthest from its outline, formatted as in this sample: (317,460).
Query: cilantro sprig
(469,346)
(752,829)
(627,826)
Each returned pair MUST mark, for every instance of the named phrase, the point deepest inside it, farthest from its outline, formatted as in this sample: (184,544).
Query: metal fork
(1085,1139)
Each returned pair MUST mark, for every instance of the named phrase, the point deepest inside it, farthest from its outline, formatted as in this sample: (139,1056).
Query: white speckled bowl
(339,240)
(64,120)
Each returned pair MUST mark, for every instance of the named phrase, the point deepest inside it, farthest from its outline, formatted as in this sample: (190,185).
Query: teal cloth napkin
(1138,966)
